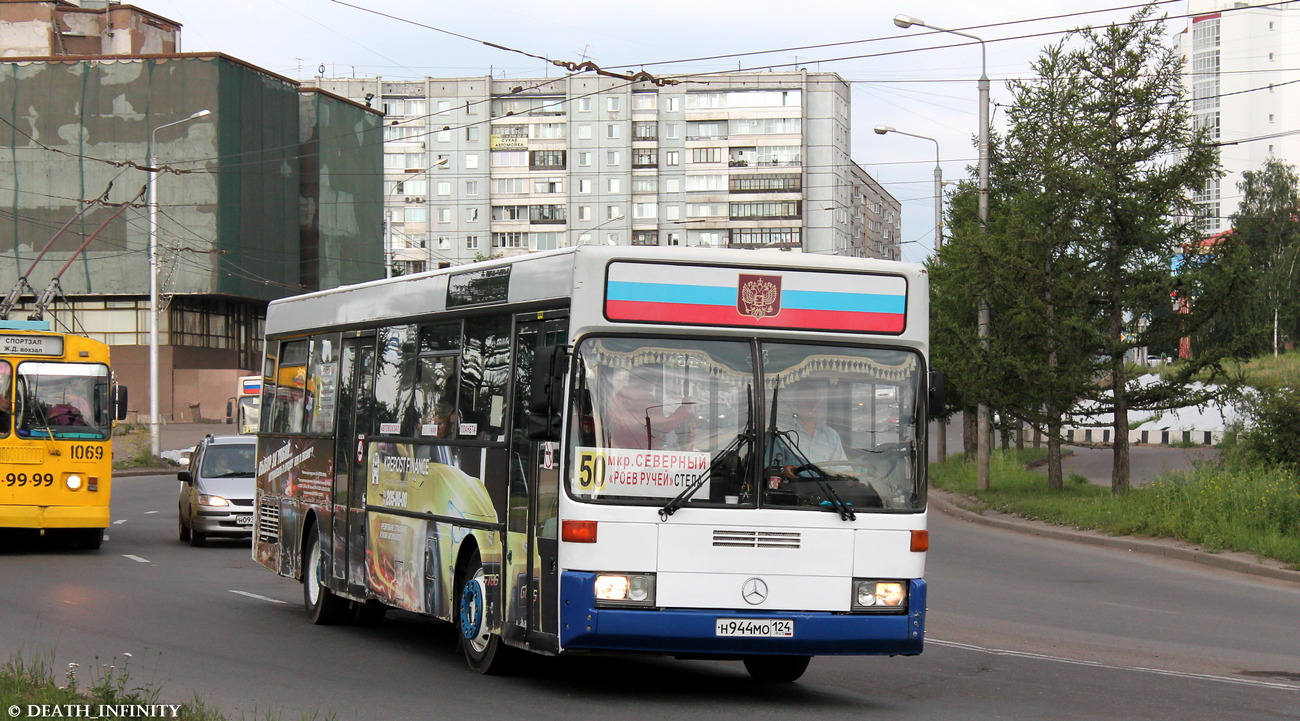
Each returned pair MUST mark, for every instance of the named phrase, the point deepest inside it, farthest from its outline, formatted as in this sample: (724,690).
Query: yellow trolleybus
(57,407)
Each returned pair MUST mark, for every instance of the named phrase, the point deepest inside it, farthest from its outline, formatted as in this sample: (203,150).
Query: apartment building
(1241,65)
(475,167)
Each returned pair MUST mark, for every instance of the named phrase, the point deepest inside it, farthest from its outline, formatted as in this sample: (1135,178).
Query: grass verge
(1253,511)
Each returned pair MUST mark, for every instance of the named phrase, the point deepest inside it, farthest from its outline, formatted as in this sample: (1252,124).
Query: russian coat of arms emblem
(759,296)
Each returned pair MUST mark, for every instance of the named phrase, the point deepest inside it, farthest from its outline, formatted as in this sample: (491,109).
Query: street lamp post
(938,181)
(983,426)
(155,439)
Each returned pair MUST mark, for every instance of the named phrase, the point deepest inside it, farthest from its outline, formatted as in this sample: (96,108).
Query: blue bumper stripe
(692,631)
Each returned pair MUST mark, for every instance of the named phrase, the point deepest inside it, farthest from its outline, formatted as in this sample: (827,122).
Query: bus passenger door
(357,363)
(532,537)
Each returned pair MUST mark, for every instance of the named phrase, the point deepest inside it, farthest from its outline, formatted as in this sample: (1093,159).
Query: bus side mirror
(119,402)
(230,410)
(545,405)
(937,392)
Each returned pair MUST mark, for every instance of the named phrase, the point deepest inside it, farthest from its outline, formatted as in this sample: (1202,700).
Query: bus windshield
(64,400)
(657,416)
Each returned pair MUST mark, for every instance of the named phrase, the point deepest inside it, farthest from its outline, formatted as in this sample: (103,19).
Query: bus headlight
(879,596)
(73,482)
(625,589)
(206,500)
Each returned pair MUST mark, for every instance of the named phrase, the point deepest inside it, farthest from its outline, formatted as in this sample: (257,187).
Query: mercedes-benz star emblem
(754,591)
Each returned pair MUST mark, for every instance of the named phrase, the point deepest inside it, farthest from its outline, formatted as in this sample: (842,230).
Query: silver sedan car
(217,490)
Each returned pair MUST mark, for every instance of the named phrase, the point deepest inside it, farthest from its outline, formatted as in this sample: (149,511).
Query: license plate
(766,628)
(244,520)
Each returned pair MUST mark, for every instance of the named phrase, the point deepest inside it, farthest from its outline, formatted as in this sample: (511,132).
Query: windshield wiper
(745,437)
(822,479)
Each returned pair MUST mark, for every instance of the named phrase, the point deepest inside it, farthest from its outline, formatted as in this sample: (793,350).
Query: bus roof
(536,278)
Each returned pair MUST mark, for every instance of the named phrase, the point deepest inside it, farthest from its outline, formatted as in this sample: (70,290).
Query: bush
(1273,435)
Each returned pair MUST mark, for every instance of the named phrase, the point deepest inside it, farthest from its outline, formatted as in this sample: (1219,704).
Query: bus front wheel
(776,669)
(484,651)
(323,607)
(90,538)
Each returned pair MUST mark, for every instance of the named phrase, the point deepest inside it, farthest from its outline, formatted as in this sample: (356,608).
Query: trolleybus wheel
(90,538)
(776,669)
(323,607)
(484,651)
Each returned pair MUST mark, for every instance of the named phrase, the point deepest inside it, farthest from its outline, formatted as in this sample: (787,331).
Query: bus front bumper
(54,517)
(689,631)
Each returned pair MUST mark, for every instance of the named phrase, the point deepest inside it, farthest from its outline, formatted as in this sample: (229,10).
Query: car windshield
(656,417)
(221,461)
(63,400)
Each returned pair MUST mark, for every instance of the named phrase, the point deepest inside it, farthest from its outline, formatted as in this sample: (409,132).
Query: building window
(509,158)
(584,158)
(614,185)
(706,182)
(548,185)
(645,184)
(645,237)
(672,158)
(510,212)
(584,212)
(584,131)
(584,105)
(471,242)
(766,183)
(645,158)
(766,209)
(444,187)
(471,187)
(545,241)
(507,186)
(546,159)
(613,158)
(706,155)
(765,237)
(614,103)
(613,212)
(546,213)
(471,161)
(444,215)
(645,211)
(645,101)
(612,131)
(645,130)
(584,185)
(509,240)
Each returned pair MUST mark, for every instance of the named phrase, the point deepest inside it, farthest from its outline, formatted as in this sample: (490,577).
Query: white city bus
(690,452)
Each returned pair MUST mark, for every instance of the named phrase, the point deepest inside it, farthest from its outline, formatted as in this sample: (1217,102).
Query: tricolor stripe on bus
(710,296)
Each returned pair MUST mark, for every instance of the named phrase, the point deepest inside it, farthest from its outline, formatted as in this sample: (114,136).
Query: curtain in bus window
(63,400)
(395,381)
(484,375)
(322,384)
(435,380)
(6,398)
(290,401)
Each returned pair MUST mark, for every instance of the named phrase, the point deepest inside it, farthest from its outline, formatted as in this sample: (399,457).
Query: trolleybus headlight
(883,596)
(206,500)
(625,589)
(73,482)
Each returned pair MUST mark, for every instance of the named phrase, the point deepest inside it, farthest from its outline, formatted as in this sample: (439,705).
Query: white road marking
(149,512)
(1116,667)
(118,523)
(137,559)
(260,598)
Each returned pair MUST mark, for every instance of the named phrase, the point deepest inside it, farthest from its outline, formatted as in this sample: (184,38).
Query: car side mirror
(184,477)
(119,402)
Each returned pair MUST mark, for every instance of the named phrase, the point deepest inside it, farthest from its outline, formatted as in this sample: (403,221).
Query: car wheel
(484,651)
(184,531)
(198,539)
(776,669)
(323,606)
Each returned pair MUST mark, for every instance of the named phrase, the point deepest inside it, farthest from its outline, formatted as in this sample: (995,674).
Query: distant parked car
(217,490)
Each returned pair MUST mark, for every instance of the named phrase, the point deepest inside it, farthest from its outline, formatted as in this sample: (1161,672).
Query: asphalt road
(1019,628)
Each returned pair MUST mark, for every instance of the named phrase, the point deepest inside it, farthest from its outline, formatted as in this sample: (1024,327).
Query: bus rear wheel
(323,607)
(484,651)
(776,669)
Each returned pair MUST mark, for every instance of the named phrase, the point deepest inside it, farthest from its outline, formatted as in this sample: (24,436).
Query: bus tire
(90,538)
(323,607)
(484,651)
(776,669)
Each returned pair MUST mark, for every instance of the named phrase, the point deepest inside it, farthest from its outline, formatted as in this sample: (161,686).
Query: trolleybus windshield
(63,400)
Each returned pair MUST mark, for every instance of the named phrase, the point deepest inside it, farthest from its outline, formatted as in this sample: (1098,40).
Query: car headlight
(206,500)
(73,482)
(625,589)
(879,596)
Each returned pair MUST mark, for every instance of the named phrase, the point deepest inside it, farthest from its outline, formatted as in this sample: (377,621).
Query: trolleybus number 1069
(773,628)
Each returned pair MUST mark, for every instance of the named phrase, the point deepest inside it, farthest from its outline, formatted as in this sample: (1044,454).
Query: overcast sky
(905,78)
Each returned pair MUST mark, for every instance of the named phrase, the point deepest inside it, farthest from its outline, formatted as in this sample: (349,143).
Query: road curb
(950,504)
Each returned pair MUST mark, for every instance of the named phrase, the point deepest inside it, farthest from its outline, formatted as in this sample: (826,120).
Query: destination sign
(51,345)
